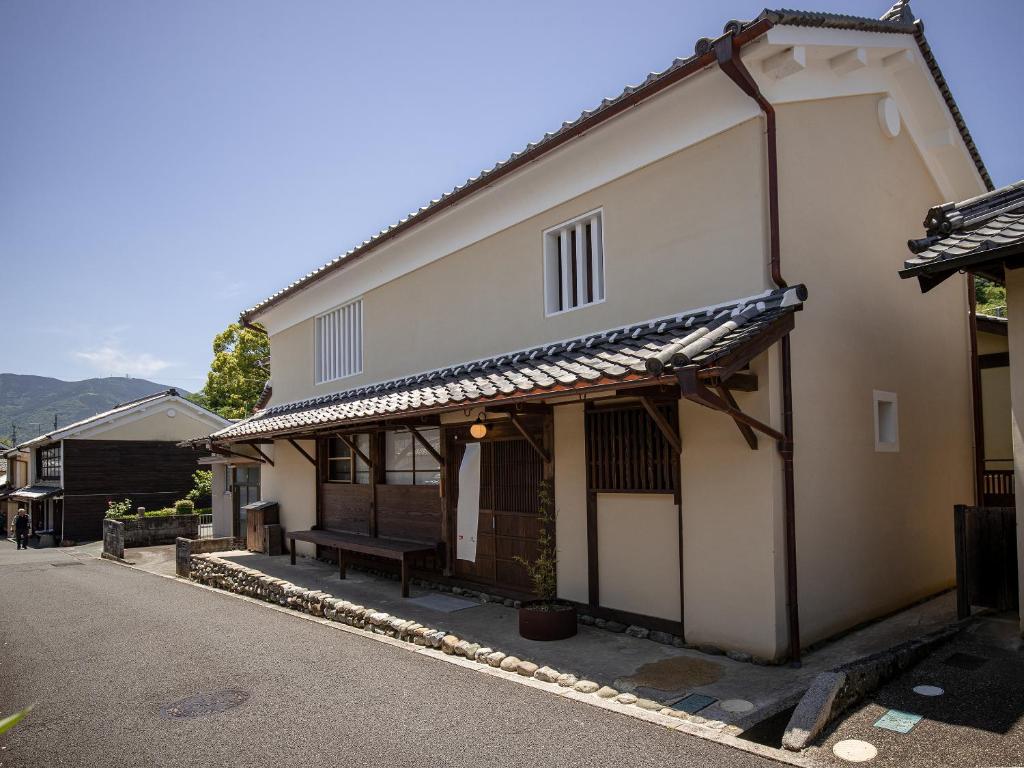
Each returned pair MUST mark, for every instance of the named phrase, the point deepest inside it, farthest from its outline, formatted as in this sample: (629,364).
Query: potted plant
(545,618)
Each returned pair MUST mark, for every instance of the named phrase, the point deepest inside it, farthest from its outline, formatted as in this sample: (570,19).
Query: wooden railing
(997,488)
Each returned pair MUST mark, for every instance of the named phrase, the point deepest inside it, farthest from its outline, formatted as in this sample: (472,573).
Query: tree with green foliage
(990,297)
(238,373)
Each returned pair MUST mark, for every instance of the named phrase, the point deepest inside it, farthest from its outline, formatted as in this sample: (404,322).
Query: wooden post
(963,587)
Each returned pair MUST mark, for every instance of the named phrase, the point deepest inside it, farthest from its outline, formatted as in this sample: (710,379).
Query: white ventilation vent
(574,264)
(339,343)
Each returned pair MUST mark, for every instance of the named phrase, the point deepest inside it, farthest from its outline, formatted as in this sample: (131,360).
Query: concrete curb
(706,732)
(832,693)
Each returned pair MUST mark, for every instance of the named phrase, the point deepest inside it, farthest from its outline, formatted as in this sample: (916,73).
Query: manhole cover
(203,704)
(854,751)
(966,661)
(736,706)
(928,690)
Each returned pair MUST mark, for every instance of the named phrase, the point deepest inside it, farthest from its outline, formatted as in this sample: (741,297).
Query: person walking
(21,528)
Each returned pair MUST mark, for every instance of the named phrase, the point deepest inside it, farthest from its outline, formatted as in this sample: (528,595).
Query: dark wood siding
(346,507)
(152,474)
(410,512)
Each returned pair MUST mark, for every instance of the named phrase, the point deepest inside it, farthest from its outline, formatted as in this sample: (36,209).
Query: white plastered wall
(158,425)
(733,571)
(291,482)
(995,400)
(874,529)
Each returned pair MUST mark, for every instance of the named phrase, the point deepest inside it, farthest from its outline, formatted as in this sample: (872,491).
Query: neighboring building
(130,451)
(610,307)
(994,373)
(235,483)
(17,477)
(984,236)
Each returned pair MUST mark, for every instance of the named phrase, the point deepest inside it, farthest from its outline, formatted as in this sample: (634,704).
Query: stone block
(812,713)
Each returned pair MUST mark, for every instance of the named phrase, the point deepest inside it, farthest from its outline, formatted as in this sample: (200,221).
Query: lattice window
(574,264)
(48,467)
(339,343)
(627,452)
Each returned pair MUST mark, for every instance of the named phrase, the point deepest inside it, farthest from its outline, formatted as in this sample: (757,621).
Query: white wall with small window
(408,462)
(338,343)
(574,264)
(887,422)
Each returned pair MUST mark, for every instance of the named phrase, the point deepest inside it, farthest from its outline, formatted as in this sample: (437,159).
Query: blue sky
(164,165)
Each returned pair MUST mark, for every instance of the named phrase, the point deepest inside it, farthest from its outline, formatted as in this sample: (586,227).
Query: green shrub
(119,510)
(543,569)
(165,512)
(185,507)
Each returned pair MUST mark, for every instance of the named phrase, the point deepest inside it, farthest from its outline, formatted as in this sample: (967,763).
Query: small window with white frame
(574,264)
(338,348)
(887,422)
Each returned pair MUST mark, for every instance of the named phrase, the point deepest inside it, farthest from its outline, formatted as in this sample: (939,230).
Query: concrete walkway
(649,669)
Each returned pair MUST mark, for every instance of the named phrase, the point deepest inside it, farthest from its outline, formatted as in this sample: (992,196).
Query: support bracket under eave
(426,445)
(521,428)
(302,450)
(222,451)
(347,440)
(266,458)
(692,388)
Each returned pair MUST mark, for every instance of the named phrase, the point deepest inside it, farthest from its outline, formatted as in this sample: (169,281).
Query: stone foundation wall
(113,538)
(185,548)
(213,571)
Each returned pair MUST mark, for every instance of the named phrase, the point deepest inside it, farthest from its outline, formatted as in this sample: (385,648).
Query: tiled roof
(973,233)
(898,20)
(629,353)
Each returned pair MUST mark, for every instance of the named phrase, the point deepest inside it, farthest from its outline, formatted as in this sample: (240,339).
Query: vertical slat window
(573,264)
(339,343)
(626,451)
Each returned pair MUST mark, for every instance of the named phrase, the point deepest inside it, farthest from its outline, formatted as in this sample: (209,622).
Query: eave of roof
(897,20)
(980,235)
(648,352)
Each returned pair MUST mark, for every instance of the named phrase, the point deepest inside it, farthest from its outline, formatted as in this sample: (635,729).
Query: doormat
(693,703)
(900,722)
(442,603)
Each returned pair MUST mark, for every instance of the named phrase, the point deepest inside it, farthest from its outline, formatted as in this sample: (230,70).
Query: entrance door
(510,477)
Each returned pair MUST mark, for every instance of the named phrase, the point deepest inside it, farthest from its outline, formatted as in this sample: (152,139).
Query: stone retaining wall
(113,538)
(185,548)
(213,571)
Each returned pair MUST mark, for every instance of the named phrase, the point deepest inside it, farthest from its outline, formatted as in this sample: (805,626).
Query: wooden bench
(391,549)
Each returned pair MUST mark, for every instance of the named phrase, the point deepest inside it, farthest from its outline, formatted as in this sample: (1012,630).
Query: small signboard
(900,722)
(694,703)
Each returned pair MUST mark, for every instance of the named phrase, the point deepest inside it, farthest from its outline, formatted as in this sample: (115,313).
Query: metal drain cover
(203,704)
(64,565)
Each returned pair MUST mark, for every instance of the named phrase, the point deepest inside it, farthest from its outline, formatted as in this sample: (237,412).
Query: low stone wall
(216,572)
(185,548)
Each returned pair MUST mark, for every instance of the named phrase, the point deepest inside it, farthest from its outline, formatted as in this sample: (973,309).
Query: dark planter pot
(536,623)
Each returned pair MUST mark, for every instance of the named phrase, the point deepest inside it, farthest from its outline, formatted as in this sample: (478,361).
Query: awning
(712,343)
(36,492)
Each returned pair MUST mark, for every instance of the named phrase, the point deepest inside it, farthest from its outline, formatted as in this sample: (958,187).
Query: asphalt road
(100,649)
(977,721)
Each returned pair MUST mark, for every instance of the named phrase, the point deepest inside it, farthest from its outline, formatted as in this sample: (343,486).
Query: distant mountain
(30,402)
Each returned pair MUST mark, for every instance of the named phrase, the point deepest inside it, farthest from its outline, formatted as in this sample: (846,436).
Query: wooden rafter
(302,450)
(529,438)
(671,435)
(426,445)
(222,451)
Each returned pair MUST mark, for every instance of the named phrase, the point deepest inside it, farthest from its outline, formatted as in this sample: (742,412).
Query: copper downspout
(727,50)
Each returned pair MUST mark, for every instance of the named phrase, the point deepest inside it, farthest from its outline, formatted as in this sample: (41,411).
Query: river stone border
(213,571)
